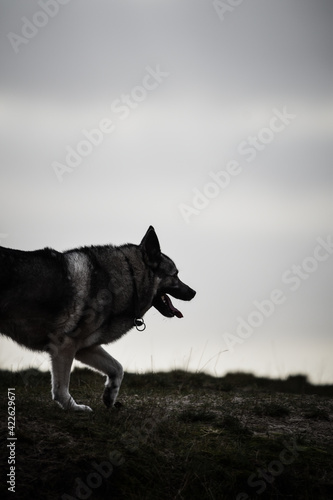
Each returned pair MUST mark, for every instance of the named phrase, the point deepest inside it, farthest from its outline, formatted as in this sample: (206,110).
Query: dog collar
(139,324)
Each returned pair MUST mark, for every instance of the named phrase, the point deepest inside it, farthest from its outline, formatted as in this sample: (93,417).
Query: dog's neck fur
(137,321)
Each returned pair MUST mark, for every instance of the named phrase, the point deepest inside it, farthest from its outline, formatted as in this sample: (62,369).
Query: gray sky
(216,129)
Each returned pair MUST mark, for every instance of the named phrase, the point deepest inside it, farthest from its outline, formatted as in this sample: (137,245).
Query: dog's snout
(189,293)
(181,291)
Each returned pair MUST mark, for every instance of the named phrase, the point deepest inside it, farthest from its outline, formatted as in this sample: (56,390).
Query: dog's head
(166,274)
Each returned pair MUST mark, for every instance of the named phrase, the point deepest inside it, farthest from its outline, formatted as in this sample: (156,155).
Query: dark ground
(177,435)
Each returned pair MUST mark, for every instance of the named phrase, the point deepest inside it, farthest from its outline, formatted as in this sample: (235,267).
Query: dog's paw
(81,408)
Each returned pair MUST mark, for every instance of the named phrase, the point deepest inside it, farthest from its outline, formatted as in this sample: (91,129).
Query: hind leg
(98,358)
(61,361)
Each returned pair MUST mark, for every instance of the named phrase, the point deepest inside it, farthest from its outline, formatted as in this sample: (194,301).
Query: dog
(69,303)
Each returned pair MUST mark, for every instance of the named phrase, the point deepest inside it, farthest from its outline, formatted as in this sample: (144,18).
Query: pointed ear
(151,248)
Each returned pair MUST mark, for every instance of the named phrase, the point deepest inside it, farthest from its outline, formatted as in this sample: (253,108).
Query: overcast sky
(215,126)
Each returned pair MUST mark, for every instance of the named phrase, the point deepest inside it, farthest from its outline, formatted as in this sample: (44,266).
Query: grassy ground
(176,436)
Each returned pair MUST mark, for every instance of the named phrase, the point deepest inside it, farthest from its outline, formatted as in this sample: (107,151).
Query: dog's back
(34,289)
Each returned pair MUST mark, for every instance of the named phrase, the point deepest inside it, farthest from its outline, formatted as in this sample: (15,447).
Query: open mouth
(164,305)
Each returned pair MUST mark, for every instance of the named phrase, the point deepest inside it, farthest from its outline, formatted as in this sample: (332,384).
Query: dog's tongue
(175,311)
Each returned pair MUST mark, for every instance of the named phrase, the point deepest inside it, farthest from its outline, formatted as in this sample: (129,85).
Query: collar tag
(139,324)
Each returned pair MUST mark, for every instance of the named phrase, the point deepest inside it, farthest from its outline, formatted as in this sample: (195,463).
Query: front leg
(61,361)
(98,358)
